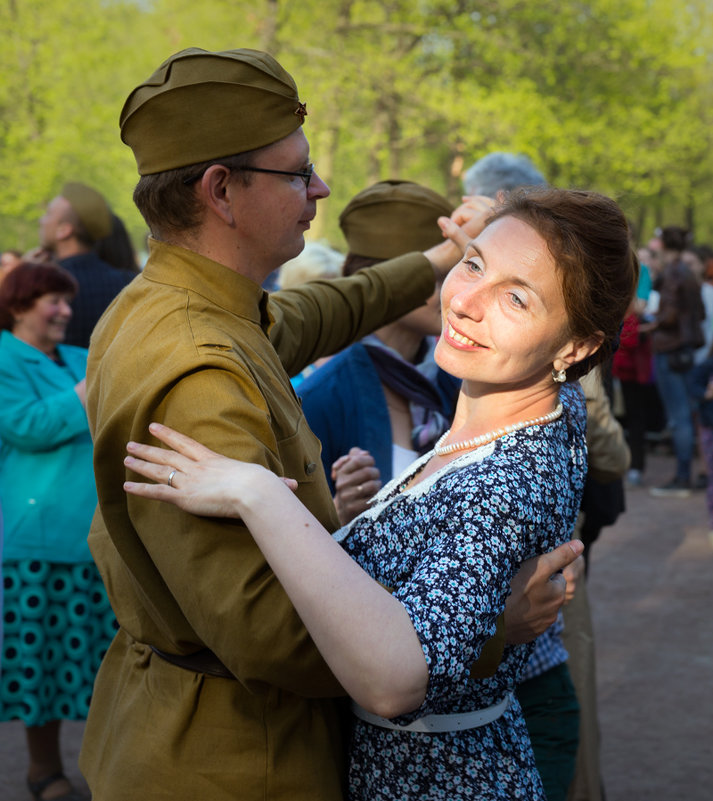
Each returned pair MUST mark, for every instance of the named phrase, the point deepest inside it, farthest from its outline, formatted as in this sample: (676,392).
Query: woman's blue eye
(472,265)
(517,300)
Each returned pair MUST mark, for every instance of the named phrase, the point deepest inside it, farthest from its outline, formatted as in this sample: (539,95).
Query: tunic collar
(179,267)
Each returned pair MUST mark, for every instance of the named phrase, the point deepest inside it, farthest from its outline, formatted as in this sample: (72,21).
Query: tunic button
(310,467)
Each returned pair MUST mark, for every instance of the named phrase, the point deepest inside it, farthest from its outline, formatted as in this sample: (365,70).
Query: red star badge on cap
(301,111)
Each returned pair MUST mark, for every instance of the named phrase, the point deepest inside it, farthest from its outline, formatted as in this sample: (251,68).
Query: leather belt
(204,661)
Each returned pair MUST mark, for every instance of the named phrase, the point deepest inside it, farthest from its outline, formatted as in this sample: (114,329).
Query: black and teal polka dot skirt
(57,626)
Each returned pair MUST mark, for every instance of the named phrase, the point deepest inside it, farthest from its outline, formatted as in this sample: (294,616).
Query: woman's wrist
(254,491)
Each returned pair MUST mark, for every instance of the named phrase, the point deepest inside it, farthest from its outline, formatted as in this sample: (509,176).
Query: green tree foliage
(65,67)
(608,94)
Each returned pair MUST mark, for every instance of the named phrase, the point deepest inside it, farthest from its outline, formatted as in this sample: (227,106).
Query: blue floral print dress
(449,546)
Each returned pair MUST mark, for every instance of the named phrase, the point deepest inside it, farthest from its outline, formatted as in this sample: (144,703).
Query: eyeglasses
(305,175)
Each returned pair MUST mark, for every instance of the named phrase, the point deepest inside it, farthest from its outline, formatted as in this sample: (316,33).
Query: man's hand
(356,479)
(466,222)
(538,592)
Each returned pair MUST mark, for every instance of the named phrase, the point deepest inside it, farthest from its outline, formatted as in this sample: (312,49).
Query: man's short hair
(168,201)
(501,171)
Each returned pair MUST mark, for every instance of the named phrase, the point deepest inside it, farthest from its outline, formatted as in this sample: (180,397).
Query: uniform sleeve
(213,568)
(323,317)
(31,422)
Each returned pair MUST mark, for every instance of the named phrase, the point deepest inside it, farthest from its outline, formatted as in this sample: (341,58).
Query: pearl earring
(559,376)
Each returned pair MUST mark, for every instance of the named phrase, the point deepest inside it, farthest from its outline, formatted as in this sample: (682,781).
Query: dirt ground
(651,592)
(651,587)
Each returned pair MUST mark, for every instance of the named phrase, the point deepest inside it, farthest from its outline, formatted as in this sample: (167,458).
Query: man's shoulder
(88,266)
(86,261)
(153,318)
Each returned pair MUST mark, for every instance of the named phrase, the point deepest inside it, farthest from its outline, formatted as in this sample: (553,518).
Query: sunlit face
(273,213)
(44,324)
(54,217)
(503,312)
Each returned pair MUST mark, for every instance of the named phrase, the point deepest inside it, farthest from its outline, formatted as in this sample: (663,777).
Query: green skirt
(57,624)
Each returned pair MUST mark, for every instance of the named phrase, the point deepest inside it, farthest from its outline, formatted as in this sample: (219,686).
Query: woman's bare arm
(363,633)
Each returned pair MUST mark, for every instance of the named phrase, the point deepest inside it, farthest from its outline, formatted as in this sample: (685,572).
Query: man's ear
(214,189)
(577,350)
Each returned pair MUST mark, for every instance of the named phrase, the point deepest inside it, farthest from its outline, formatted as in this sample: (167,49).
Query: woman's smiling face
(44,324)
(503,312)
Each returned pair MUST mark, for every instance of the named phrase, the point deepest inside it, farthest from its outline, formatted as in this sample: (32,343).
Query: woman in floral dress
(402,600)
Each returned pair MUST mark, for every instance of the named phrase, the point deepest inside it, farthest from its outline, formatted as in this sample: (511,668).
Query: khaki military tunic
(199,347)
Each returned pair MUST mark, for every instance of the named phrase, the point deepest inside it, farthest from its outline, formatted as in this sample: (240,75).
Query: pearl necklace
(483,439)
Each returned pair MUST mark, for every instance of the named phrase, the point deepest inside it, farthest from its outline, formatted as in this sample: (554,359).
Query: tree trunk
(329,145)
(268,36)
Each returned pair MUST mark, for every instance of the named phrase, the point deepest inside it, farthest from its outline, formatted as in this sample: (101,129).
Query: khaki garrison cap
(392,218)
(200,105)
(91,208)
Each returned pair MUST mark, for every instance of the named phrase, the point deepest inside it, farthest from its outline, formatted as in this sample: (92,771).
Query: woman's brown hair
(588,237)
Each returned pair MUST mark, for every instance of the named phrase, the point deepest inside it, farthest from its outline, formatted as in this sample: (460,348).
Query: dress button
(310,467)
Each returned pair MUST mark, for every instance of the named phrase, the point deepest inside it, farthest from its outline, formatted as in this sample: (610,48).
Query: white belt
(440,723)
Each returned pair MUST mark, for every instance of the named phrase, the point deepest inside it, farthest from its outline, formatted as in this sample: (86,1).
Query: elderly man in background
(72,223)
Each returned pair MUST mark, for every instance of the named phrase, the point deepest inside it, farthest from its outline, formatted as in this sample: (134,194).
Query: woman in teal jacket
(57,620)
